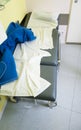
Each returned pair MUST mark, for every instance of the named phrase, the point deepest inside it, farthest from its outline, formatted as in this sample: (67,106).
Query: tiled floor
(67,114)
(69,84)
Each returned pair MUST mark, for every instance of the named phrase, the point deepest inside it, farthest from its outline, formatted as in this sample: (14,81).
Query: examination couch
(49,67)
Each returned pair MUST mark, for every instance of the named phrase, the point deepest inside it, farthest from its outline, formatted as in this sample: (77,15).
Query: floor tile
(75,123)
(79,67)
(41,118)
(69,59)
(77,96)
(66,81)
(70,50)
(65,90)
(11,117)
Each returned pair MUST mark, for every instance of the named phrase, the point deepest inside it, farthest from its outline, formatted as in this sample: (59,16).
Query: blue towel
(16,35)
(8,71)
(12,26)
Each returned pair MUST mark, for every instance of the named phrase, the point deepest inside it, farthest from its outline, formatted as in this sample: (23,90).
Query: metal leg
(52,104)
(13,99)
(35,100)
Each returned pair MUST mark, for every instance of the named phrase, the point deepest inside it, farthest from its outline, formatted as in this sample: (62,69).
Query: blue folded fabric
(16,35)
(19,35)
(17,28)
(11,27)
(8,71)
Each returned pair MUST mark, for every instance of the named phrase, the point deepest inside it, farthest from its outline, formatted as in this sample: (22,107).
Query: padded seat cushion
(50,74)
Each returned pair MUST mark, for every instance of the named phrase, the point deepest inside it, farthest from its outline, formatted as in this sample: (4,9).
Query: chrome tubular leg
(52,104)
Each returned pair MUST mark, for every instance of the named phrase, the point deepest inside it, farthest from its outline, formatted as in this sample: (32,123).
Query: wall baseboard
(73,43)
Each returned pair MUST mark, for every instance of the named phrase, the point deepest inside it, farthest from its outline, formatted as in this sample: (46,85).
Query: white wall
(58,6)
(14,10)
